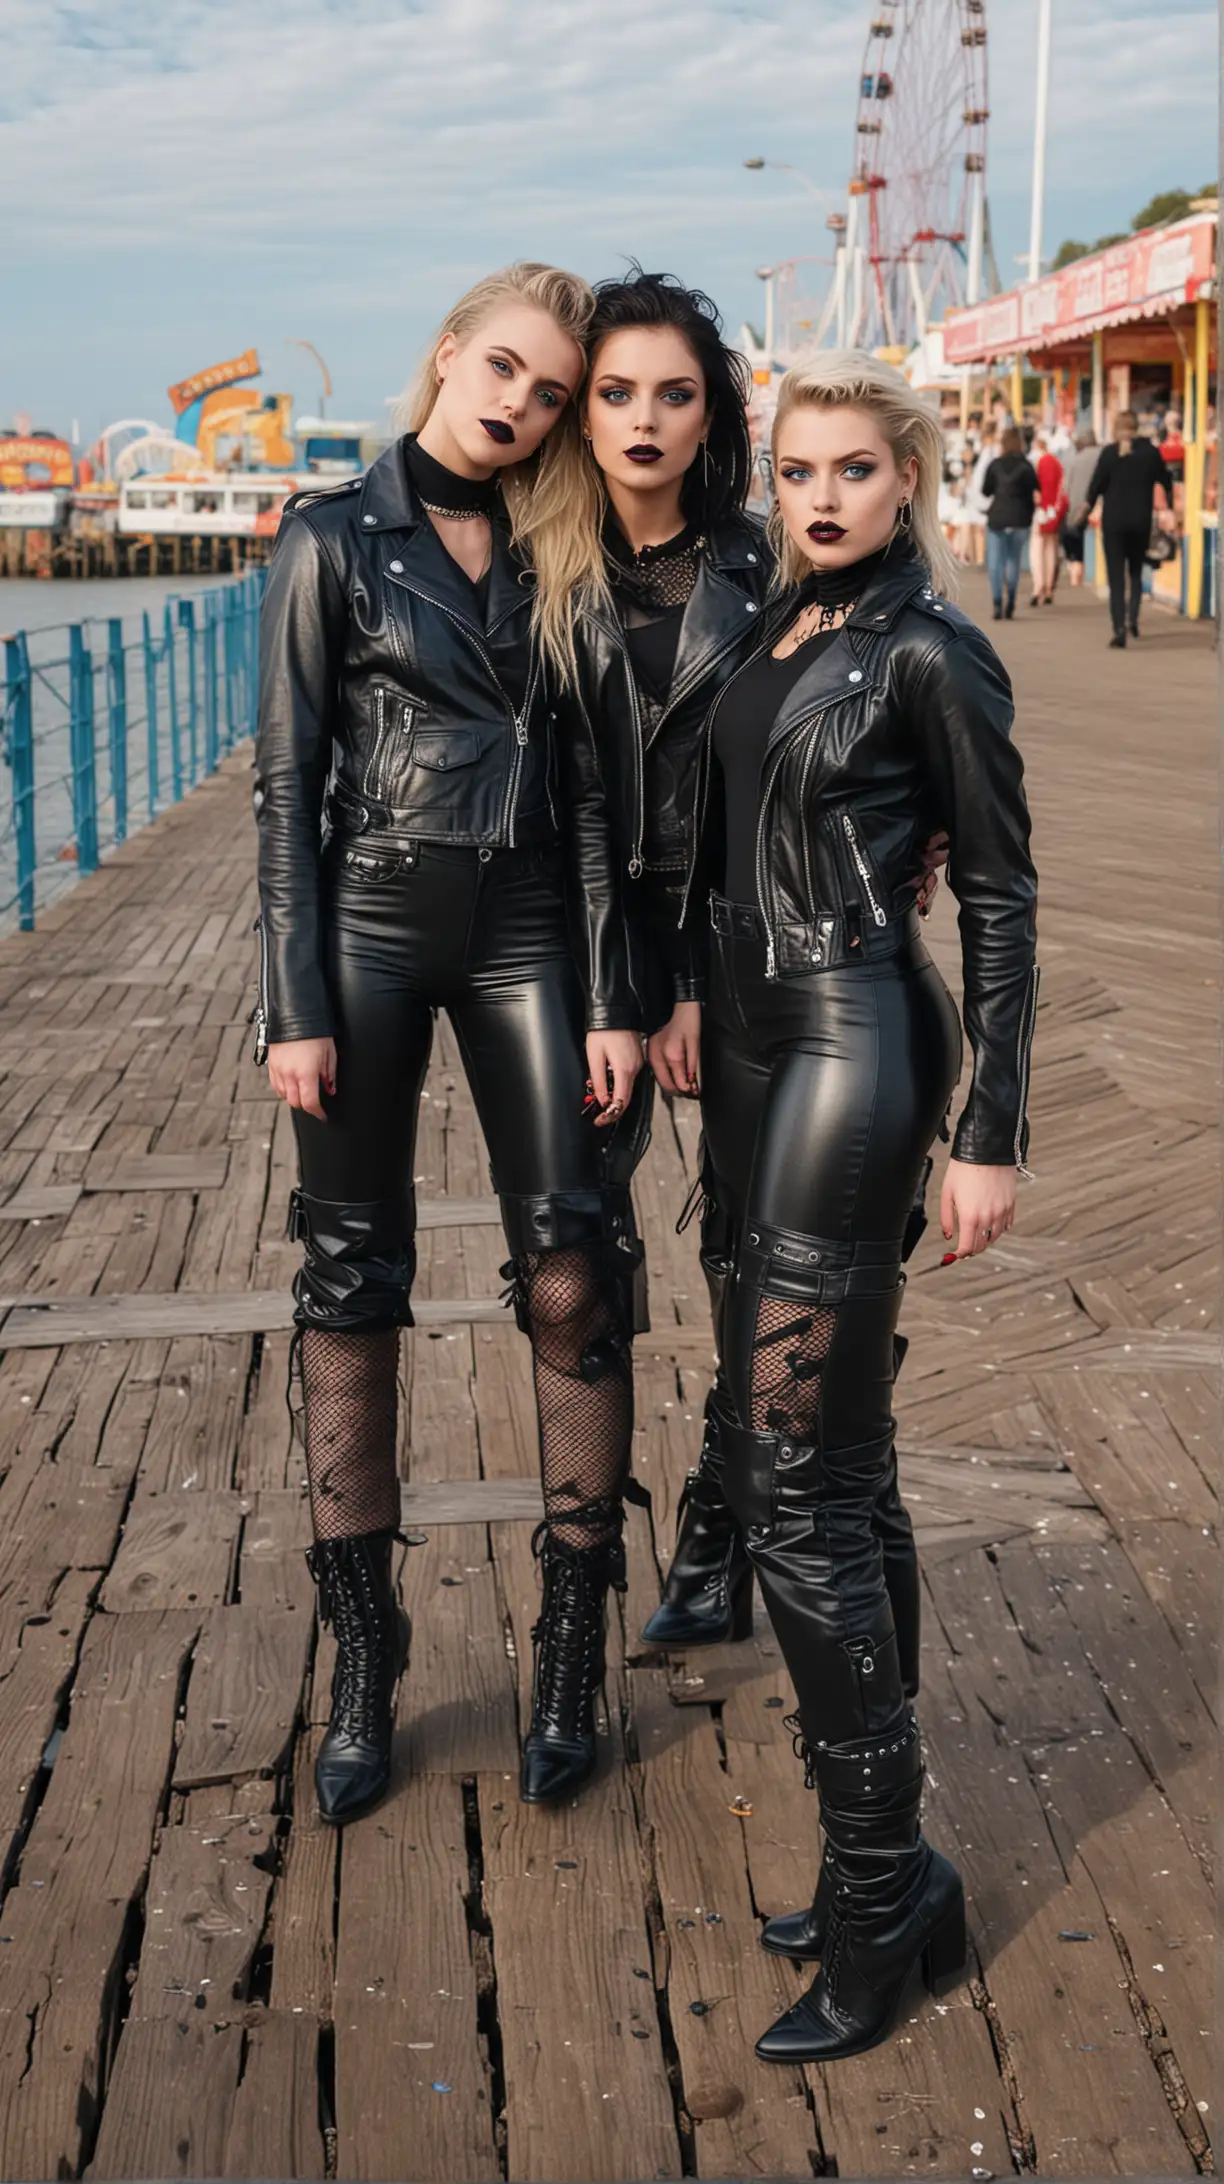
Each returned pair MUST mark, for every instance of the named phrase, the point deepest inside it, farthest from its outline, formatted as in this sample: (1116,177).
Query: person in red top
(1047,522)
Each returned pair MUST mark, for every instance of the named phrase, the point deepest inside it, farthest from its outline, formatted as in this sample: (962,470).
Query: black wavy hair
(659,299)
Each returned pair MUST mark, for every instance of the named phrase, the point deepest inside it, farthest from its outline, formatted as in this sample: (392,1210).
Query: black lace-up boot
(897,1904)
(707,1598)
(357,1602)
(559,1751)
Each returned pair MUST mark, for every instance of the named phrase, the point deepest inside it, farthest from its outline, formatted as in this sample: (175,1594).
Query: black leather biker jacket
(651,772)
(388,712)
(900,726)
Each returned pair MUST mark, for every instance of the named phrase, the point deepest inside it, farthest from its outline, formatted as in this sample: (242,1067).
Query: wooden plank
(176,1552)
(204,1914)
(412,2090)
(304,1910)
(473,1501)
(458,1213)
(32,1685)
(82,1870)
(36,1323)
(169,2099)
(40,1202)
(245,1690)
(273,2127)
(562,1889)
(201,1171)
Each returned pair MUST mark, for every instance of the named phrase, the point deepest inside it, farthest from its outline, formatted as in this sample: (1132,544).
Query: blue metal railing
(196,666)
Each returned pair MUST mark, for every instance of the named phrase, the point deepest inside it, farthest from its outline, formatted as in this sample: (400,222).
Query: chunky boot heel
(559,1750)
(373,1637)
(707,1597)
(946,1953)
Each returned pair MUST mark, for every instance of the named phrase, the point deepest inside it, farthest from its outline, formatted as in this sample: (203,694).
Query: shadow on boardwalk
(196,1978)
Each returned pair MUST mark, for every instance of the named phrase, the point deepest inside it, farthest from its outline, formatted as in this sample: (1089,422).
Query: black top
(446,493)
(652,587)
(652,648)
(1011,487)
(744,716)
(1126,485)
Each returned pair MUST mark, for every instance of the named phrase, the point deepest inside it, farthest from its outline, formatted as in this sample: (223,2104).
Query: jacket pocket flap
(442,748)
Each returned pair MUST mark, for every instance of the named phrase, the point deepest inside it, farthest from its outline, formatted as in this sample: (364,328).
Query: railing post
(150,668)
(116,696)
(254,595)
(186,615)
(210,682)
(84,755)
(176,744)
(20,709)
(229,602)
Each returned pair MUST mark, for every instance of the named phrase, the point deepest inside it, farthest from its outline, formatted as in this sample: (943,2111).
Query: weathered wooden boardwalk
(197,1979)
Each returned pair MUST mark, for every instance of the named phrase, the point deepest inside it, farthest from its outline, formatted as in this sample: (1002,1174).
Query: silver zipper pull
(635,867)
(771,960)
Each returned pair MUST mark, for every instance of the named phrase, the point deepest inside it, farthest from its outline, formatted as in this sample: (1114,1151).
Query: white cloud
(197,160)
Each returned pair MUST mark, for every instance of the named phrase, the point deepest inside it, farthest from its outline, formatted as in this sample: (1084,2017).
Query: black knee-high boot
(896,1903)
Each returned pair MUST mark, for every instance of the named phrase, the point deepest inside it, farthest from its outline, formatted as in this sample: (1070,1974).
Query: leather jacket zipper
(261,1000)
(767,789)
(863,869)
(675,698)
(370,784)
(702,786)
(518,721)
(1024,1056)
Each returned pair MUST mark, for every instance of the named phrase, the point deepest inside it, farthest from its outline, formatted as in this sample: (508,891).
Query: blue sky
(182,178)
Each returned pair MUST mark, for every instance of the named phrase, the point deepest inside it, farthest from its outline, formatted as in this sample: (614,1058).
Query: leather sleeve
(656,904)
(301,647)
(961,706)
(593,885)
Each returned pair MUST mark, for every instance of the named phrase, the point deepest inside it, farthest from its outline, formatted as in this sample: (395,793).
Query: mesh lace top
(652,589)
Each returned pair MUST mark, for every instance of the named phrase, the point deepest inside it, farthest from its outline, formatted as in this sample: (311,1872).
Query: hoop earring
(905,516)
(705,464)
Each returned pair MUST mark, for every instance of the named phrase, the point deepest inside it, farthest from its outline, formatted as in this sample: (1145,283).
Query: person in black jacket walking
(1125,481)
(831,1048)
(416,811)
(1012,491)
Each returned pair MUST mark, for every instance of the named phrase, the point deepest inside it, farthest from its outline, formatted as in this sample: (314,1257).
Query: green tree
(1067,253)
(1170,205)
(1103,241)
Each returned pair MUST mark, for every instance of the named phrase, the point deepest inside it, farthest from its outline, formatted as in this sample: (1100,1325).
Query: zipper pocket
(370,783)
(1024,1055)
(261,998)
(863,867)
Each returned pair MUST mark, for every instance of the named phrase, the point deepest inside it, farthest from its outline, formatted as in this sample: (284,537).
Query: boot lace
(569,1635)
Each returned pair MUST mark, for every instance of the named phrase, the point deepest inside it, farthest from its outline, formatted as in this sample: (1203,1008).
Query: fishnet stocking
(584,1390)
(789,1347)
(349,1395)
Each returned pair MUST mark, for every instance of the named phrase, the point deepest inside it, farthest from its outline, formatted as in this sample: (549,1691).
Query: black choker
(831,589)
(443,491)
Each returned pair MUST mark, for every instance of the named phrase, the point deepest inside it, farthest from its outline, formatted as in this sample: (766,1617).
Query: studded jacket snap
(899,727)
(650,766)
(393,714)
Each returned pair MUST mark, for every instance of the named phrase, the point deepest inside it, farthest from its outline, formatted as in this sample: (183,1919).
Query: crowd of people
(1019,496)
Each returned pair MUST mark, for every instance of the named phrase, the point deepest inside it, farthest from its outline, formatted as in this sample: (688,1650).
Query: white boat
(216,504)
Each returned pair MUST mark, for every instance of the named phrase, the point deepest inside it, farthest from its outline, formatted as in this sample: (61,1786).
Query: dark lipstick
(498,430)
(826,534)
(643,453)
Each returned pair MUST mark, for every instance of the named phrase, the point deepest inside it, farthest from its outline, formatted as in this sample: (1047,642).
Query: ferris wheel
(911,243)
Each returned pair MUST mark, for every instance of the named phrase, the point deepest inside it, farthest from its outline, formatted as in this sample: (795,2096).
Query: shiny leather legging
(483,935)
(821,1096)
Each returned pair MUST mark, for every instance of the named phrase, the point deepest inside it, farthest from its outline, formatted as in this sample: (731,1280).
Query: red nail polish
(948,1259)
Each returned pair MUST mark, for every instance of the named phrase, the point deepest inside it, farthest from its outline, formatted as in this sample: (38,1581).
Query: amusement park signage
(217,375)
(1139,278)
(18,454)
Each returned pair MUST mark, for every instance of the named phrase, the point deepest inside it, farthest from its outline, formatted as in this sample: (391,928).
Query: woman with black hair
(667,617)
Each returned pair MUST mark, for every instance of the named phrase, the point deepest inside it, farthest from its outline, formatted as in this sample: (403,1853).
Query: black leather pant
(821,1097)
(483,935)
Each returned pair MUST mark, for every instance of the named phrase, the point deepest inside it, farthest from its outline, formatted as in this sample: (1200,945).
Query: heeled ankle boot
(707,1597)
(897,1904)
(559,1750)
(801,1935)
(357,1602)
